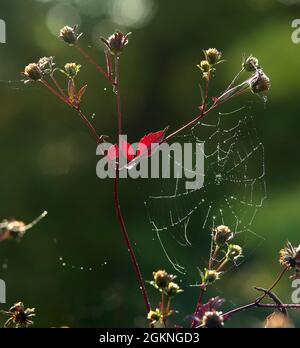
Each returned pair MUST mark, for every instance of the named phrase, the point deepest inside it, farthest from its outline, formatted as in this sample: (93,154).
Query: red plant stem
(199,303)
(83,117)
(93,62)
(89,125)
(200,116)
(117,201)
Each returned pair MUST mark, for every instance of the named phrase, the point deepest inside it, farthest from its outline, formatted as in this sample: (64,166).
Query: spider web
(234,190)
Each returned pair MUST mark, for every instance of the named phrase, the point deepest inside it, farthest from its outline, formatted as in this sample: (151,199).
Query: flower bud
(69,34)
(33,72)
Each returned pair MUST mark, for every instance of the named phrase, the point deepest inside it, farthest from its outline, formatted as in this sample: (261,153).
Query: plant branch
(83,117)
(117,199)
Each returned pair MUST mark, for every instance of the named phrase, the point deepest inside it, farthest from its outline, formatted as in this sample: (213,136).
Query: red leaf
(126,151)
(149,139)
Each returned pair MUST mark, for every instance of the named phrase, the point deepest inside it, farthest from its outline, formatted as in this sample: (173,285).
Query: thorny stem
(117,200)
(92,61)
(66,101)
(273,285)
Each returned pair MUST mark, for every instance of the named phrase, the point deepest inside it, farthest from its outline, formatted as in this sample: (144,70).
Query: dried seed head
(162,278)
(33,72)
(212,320)
(211,276)
(212,55)
(222,234)
(19,317)
(290,256)
(260,82)
(116,42)
(234,252)
(46,64)
(173,289)
(72,69)
(70,34)
(251,64)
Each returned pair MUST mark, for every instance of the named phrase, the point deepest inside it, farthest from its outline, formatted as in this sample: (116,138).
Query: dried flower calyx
(222,234)
(116,42)
(36,71)
(289,257)
(19,317)
(260,82)
(70,35)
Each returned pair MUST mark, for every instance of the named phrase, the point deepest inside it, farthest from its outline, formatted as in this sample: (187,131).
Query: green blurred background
(48,158)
